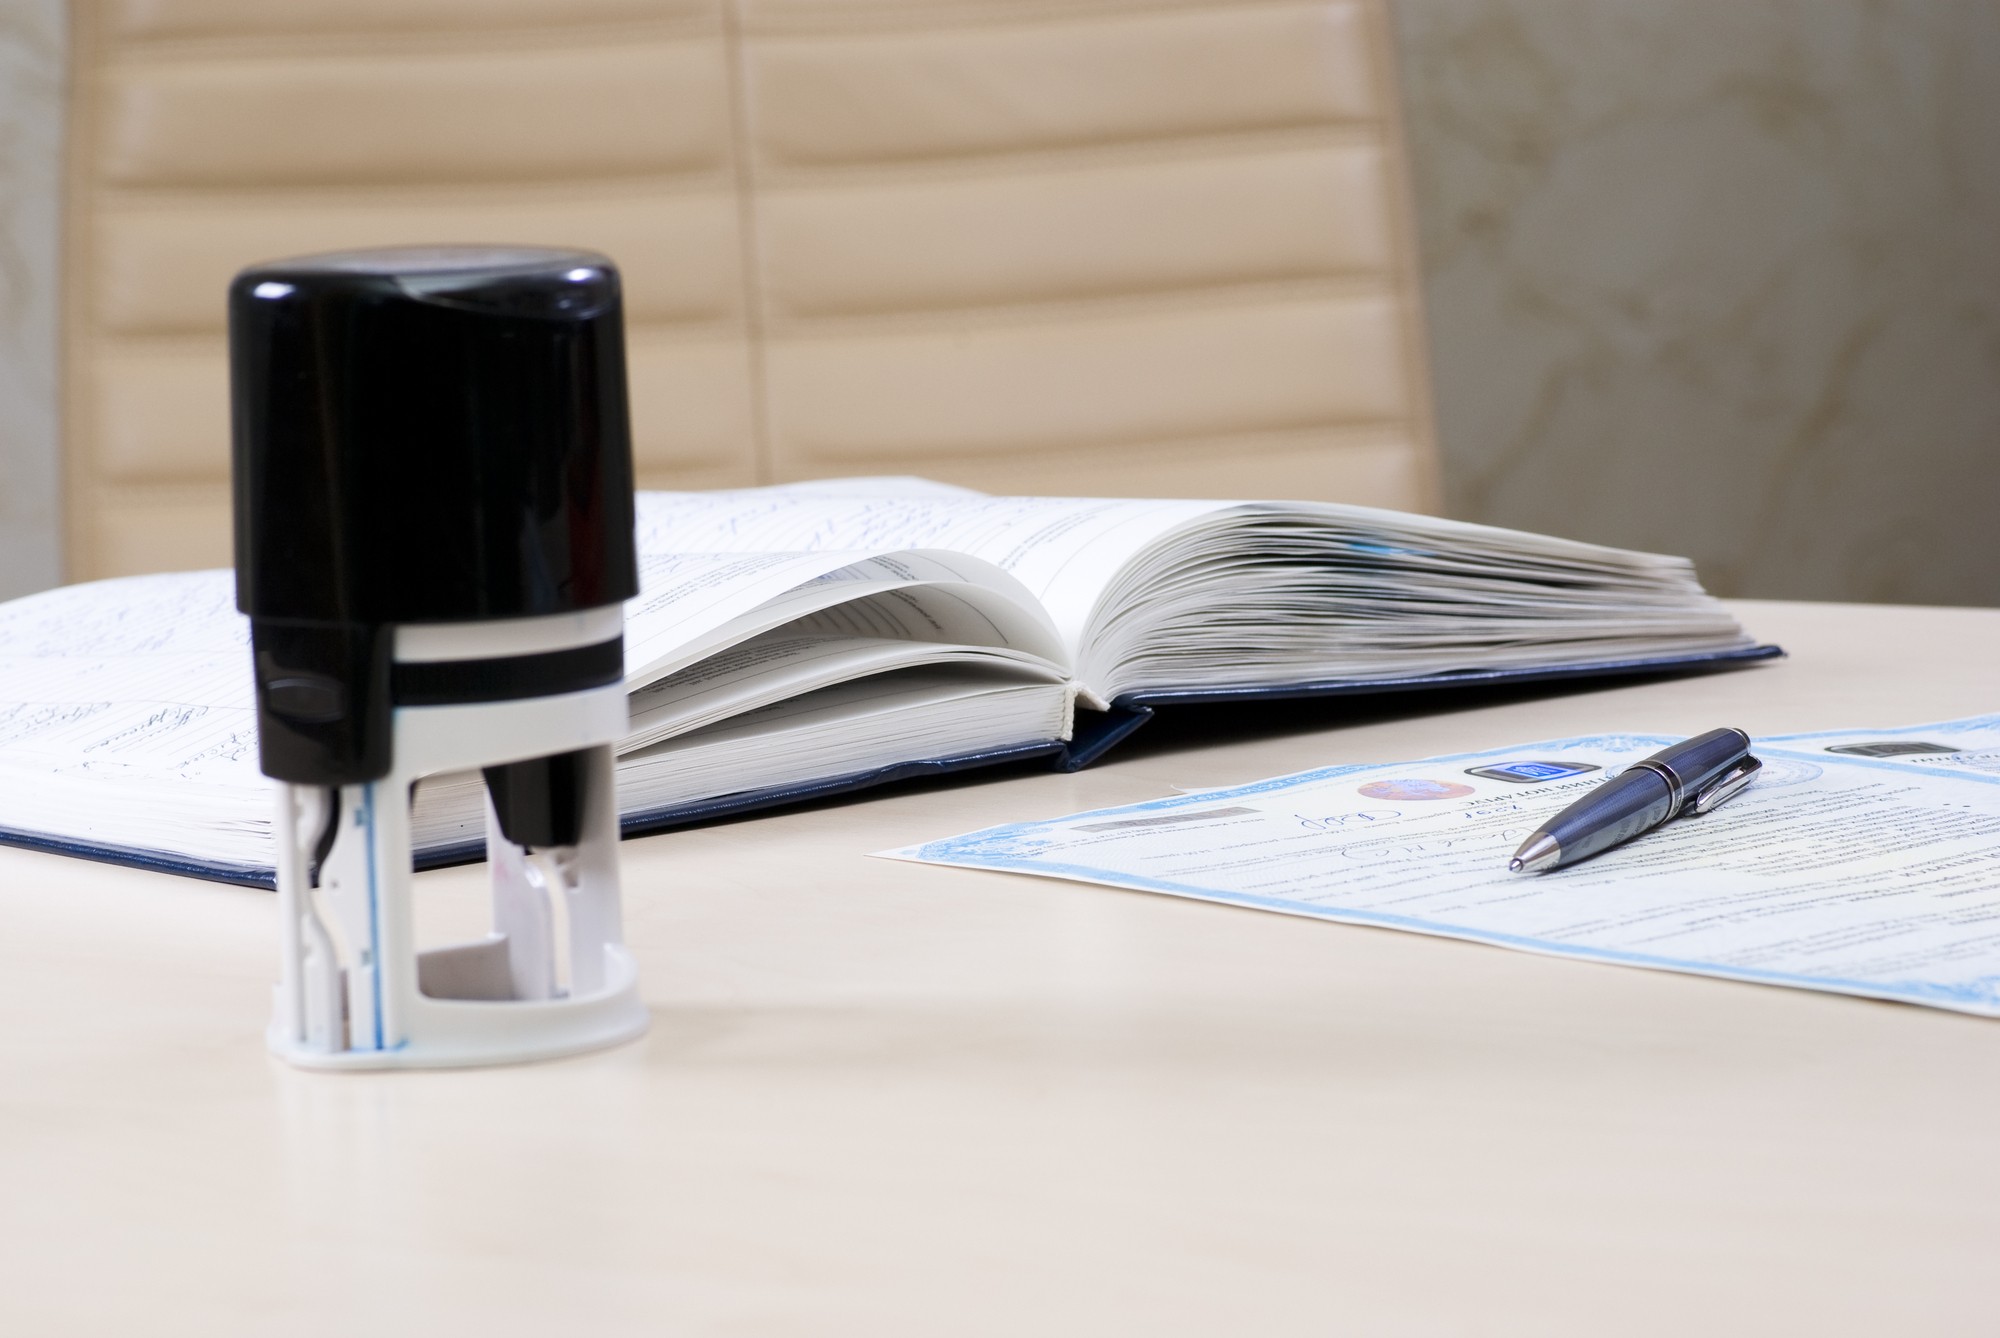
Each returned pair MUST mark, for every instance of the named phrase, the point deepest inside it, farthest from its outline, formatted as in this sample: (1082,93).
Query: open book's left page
(127,722)
(127,718)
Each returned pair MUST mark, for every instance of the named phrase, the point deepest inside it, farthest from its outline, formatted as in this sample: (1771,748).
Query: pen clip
(1726,786)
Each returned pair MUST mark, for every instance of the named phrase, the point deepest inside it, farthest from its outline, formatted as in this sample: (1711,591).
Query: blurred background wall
(32,46)
(1719,277)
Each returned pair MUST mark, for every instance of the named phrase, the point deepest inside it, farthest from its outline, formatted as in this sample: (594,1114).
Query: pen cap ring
(1676,792)
(432,434)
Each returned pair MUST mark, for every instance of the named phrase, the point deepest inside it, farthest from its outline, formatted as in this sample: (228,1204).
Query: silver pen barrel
(1646,794)
(1618,810)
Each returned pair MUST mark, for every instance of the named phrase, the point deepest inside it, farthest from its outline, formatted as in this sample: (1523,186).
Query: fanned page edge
(1548,580)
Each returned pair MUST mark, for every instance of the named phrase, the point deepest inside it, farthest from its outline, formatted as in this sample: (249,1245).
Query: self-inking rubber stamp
(434,540)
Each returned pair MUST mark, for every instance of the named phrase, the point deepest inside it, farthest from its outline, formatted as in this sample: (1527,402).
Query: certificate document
(1860,861)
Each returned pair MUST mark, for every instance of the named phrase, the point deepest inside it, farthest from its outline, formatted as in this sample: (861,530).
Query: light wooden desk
(885,1099)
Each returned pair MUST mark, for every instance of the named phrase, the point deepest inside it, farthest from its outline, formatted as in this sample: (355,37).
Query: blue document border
(995,849)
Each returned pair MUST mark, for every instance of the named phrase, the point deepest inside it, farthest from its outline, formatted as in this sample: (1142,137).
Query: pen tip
(1539,852)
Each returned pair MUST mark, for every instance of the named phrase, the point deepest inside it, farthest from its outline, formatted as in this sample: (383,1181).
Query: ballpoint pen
(1692,777)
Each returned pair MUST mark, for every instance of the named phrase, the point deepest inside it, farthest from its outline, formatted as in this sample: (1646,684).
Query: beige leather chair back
(1093,246)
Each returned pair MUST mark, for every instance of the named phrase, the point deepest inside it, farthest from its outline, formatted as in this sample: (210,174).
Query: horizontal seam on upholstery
(191,488)
(1376,429)
(616,188)
(114,340)
(1350,427)
(144,484)
(332,45)
(1373,285)
(908,19)
(192,186)
(1163,147)
(1186,149)
(148,484)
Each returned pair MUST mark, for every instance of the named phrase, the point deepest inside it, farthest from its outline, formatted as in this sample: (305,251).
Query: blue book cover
(1097,734)
(906,629)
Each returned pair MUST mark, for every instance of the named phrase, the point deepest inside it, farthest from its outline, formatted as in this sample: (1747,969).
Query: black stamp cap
(430,435)
(420,435)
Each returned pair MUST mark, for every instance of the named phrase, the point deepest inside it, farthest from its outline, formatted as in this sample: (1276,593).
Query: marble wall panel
(32,45)
(1720,277)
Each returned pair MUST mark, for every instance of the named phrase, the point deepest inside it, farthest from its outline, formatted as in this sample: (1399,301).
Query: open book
(798,641)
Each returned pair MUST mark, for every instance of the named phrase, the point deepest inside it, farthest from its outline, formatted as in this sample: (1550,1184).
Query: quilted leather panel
(209,134)
(160,407)
(908,397)
(1323,462)
(163,264)
(691,408)
(994,239)
(420,117)
(859,91)
(1043,245)
(129,19)
(165,529)
(1075,234)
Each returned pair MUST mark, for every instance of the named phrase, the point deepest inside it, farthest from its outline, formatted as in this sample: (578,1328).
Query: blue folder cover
(1096,733)
(1093,738)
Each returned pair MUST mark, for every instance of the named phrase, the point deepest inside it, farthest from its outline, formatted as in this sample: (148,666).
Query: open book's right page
(1175,595)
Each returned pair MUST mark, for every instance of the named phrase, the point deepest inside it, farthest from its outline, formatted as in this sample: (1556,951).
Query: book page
(858,726)
(1067,551)
(126,718)
(1832,871)
(1179,595)
(146,676)
(149,677)
(127,707)
(692,605)
(777,666)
